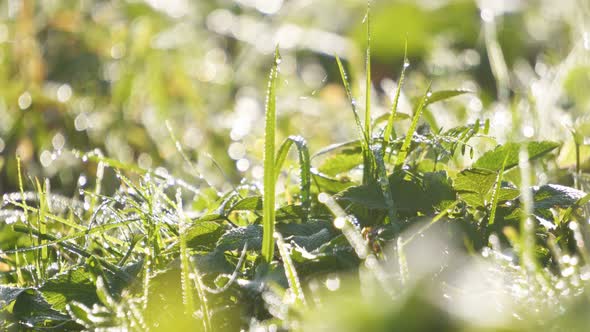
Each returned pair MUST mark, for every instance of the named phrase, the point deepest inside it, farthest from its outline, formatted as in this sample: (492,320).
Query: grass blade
(94,230)
(348,225)
(304,166)
(185,279)
(290,271)
(403,152)
(368,76)
(268,201)
(389,128)
(496,193)
(76,250)
(527,227)
(362,133)
(383,181)
(200,287)
(368,160)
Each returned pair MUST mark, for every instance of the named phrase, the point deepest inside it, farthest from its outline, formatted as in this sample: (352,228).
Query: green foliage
(448,235)
(493,160)
(476,187)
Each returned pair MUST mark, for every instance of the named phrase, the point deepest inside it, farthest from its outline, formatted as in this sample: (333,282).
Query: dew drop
(82,180)
(243,164)
(333,283)
(25,100)
(64,93)
(487,15)
(339,222)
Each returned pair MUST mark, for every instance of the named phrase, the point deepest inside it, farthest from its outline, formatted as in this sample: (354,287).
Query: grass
(268,200)
(412,225)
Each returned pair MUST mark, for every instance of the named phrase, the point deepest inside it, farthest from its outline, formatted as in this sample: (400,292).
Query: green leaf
(74,285)
(310,235)
(367,195)
(91,318)
(342,162)
(439,189)
(31,308)
(475,186)
(299,229)
(313,241)
(252,203)
(445,94)
(554,195)
(329,185)
(9,294)
(493,160)
(80,313)
(203,233)
(412,194)
(235,238)
(290,212)
(213,262)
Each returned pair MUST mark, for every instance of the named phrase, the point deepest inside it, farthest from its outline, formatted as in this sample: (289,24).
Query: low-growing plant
(353,250)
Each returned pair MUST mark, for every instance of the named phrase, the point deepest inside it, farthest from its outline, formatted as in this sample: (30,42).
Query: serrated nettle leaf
(235,238)
(554,195)
(73,285)
(304,229)
(203,233)
(80,313)
(9,294)
(324,183)
(368,195)
(252,203)
(412,194)
(439,188)
(31,307)
(493,160)
(290,212)
(313,241)
(342,161)
(475,187)
(213,262)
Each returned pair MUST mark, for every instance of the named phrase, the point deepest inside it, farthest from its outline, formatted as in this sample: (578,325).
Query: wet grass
(408,226)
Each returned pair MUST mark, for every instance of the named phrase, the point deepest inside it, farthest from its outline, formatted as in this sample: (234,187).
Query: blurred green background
(82,75)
